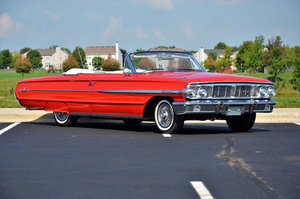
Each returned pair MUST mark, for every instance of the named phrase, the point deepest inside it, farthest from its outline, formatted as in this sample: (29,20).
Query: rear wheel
(64,119)
(241,123)
(165,118)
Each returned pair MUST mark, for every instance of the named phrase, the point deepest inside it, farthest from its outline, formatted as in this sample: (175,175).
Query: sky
(186,24)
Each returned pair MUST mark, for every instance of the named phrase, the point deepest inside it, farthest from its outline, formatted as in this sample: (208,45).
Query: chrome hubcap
(165,115)
(62,116)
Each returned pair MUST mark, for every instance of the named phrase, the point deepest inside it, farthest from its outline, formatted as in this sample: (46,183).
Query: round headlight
(202,92)
(190,93)
(263,92)
(271,92)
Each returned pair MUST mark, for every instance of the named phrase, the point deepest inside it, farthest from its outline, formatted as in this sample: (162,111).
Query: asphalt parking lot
(108,159)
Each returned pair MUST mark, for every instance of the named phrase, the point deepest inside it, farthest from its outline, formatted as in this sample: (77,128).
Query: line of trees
(254,56)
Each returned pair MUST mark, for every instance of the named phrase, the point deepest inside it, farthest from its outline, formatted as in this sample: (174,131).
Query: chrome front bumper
(225,107)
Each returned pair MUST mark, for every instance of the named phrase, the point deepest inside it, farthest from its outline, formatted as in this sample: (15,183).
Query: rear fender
(57,107)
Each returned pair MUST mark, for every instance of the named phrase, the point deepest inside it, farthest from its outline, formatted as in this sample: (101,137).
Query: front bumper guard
(223,107)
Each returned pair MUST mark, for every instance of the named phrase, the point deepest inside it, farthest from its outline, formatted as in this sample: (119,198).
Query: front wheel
(165,118)
(64,119)
(241,123)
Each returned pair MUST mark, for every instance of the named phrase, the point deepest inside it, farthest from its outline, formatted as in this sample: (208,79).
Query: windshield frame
(178,53)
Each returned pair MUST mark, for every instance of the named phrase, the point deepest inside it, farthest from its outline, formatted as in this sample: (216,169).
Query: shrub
(70,63)
(110,64)
(146,63)
(23,65)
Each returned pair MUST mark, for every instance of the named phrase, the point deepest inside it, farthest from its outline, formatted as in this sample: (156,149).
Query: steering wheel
(182,67)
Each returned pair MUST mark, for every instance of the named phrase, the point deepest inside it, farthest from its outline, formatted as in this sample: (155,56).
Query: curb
(10,115)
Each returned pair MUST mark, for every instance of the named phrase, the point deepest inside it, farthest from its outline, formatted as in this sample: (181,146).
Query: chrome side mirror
(127,72)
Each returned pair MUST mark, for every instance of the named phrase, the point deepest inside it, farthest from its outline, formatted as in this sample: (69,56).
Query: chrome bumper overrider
(229,107)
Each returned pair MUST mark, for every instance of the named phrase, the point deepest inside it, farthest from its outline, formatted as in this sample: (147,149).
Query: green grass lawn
(8,83)
(286,96)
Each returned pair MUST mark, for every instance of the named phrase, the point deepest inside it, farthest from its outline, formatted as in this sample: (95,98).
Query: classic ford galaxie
(167,87)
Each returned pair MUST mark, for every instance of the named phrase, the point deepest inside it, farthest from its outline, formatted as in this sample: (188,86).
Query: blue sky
(187,24)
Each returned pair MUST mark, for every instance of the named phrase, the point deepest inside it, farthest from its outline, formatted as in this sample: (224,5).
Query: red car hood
(208,77)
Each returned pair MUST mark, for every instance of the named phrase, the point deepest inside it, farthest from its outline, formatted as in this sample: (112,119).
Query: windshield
(164,61)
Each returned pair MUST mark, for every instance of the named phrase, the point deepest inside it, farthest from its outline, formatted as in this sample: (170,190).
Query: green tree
(53,47)
(274,43)
(241,55)
(97,62)
(140,49)
(15,56)
(288,56)
(66,49)
(24,50)
(296,67)
(35,59)
(123,54)
(210,63)
(235,49)
(70,63)
(254,55)
(225,61)
(5,58)
(221,45)
(79,55)
(213,55)
(276,64)
(23,65)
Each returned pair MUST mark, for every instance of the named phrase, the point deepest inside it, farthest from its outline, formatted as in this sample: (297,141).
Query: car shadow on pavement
(104,124)
(188,128)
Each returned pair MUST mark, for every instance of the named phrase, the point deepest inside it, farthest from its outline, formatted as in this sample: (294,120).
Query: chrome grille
(231,91)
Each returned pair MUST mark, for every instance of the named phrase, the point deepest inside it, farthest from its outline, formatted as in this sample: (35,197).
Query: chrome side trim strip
(107,116)
(132,91)
(54,90)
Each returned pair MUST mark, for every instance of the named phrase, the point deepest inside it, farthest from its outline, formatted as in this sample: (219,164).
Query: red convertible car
(167,87)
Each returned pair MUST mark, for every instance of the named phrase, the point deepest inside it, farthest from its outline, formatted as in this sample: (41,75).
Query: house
(202,54)
(54,57)
(103,51)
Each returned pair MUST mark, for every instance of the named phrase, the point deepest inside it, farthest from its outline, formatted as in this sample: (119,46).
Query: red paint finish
(86,93)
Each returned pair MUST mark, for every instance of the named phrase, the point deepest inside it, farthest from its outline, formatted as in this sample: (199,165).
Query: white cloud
(157,33)
(114,26)
(6,25)
(51,16)
(188,29)
(159,4)
(140,33)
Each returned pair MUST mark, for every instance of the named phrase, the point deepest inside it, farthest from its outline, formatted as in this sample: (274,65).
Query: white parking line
(201,190)
(167,135)
(297,123)
(9,127)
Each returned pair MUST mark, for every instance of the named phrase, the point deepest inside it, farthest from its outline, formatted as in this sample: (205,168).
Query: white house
(103,51)
(202,54)
(54,57)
